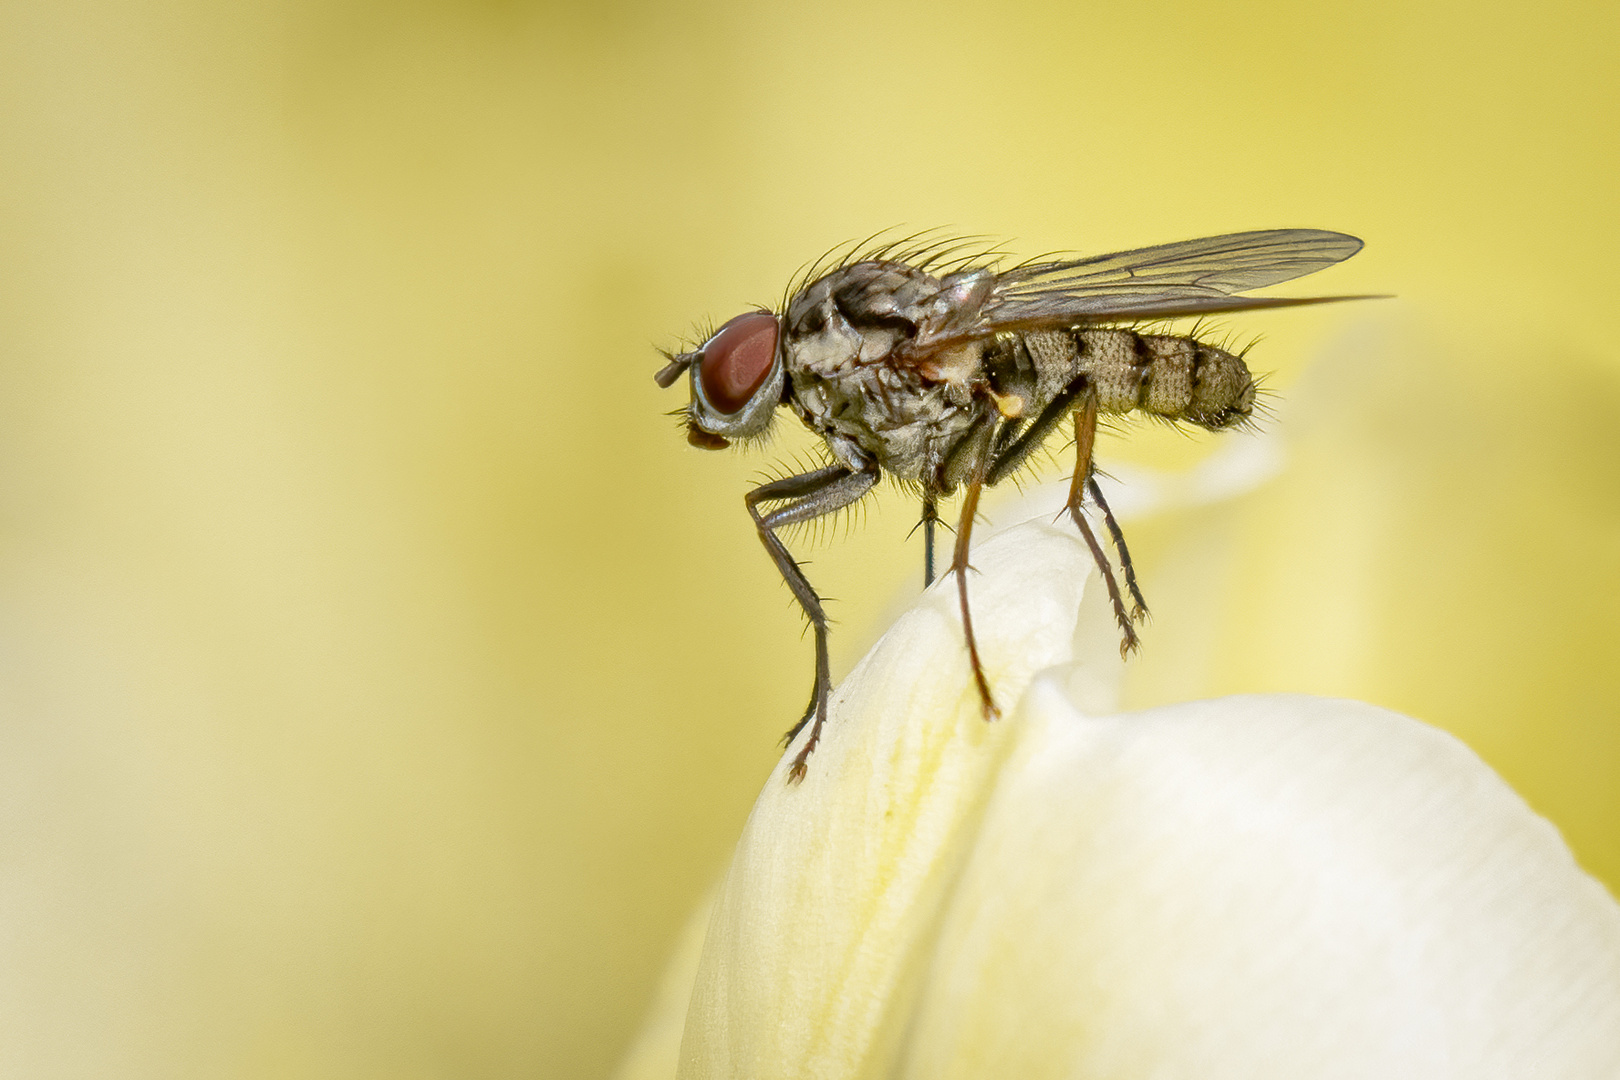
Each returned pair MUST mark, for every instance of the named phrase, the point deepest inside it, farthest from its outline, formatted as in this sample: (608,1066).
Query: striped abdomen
(1178,378)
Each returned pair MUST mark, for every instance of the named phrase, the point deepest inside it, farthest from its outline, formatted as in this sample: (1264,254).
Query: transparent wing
(1186,278)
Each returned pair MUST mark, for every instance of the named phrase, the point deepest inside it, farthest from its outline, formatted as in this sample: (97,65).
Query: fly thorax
(858,314)
(820,341)
(843,337)
(955,369)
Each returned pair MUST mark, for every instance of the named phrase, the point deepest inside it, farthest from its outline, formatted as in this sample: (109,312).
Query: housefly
(946,373)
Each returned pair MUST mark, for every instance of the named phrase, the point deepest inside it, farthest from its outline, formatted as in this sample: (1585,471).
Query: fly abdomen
(1179,378)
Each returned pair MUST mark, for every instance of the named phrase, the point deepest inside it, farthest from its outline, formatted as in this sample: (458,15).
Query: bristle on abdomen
(1178,378)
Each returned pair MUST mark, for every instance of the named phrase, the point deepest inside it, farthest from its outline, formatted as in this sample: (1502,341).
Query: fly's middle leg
(930,518)
(1085,437)
(960,567)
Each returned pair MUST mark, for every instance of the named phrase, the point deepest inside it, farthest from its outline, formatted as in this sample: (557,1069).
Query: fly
(947,374)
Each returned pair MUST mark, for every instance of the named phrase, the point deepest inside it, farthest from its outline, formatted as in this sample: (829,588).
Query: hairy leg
(807,496)
(1085,436)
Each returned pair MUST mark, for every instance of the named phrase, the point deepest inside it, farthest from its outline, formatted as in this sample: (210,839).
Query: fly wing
(1187,278)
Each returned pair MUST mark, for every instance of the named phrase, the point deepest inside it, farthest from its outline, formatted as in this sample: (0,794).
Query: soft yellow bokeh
(383,677)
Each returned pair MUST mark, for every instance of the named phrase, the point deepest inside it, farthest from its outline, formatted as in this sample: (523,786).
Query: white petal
(1265,886)
(823,924)
(1253,887)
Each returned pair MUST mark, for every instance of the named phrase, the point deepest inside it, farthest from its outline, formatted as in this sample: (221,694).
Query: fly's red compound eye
(737,360)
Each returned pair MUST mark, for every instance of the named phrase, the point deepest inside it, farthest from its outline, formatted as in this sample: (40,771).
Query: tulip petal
(1264,886)
(822,927)
(1249,887)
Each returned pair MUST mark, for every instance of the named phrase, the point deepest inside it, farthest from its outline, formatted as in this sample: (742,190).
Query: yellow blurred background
(383,676)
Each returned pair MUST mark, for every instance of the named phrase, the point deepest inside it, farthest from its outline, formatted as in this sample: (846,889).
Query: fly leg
(960,567)
(1085,435)
(1007,455)
(807,496)
(1079,399)
(1139,610)
(930,517)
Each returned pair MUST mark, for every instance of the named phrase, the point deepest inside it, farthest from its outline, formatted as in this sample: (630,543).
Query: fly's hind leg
(1139,609)
(1085,436)
(807,496)
(1080,398)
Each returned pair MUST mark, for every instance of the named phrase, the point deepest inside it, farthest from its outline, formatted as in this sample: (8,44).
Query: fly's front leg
(807,496)
(1085,436)
(960,567)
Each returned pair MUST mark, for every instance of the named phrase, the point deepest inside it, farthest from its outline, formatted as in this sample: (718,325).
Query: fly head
(736,380)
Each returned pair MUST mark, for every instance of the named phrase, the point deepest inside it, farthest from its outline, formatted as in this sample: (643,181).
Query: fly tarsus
(1085,434)
(1129,641)
(1139,608)
(816,712)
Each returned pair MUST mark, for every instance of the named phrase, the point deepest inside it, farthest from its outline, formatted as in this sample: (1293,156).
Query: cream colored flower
(1250,887)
